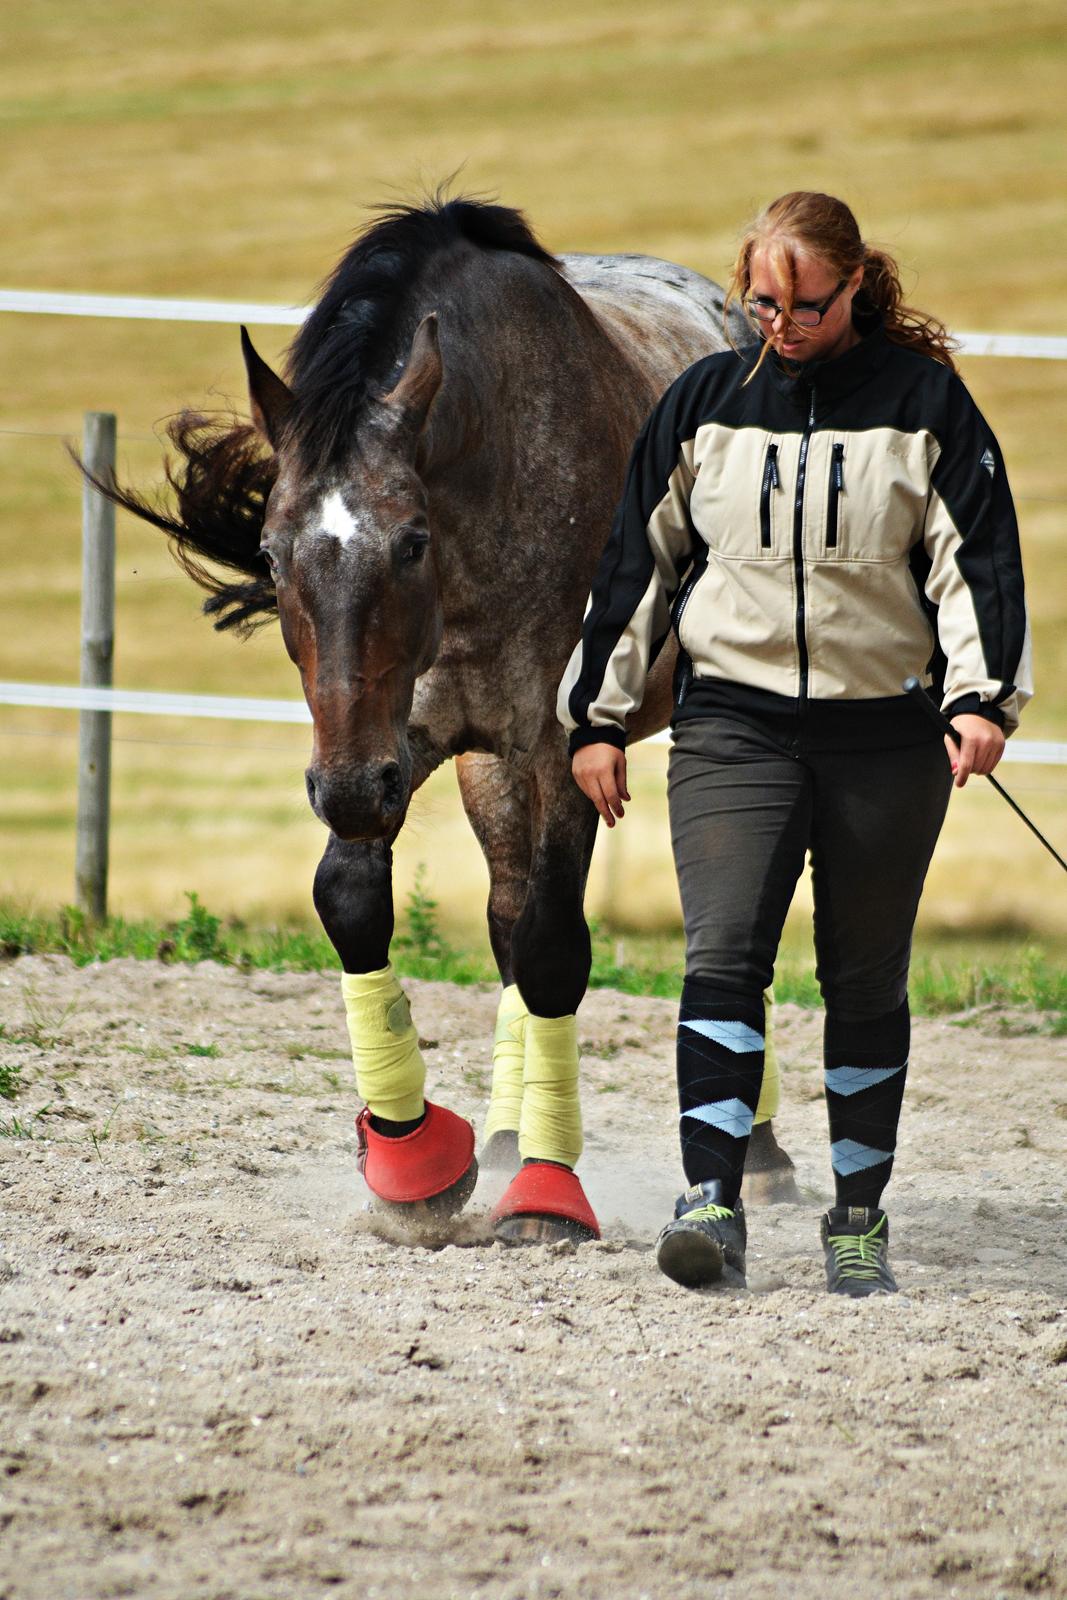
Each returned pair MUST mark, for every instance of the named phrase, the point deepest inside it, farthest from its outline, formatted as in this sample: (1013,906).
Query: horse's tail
(221,481)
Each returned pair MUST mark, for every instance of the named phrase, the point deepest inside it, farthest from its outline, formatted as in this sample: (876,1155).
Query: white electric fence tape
(57,697)
(293,711)
(144,703)
(141,307)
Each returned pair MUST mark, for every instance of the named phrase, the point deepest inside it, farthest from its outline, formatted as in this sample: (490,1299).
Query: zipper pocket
(771,481)
(696,572)
(683,667)
(681,602)
(683,678)
(837,484)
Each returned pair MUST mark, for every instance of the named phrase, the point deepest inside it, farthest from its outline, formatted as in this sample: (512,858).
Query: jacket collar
(837,377)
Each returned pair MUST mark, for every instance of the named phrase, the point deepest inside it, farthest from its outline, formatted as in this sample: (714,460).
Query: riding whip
(913,687)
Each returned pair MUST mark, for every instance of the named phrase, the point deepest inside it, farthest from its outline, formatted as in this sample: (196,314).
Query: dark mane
(223,475)
(347,344)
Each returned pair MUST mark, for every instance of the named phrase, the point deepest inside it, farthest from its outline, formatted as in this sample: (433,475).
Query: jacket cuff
(608,735)
(969,705)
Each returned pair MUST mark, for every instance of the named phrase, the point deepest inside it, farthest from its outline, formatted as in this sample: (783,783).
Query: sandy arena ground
(218,1378)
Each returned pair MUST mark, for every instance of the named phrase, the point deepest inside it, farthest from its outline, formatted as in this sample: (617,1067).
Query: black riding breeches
(746,806)
(744,812)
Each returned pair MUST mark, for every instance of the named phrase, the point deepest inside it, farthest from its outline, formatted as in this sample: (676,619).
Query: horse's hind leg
(550,959)
(497,801)
(770,1177)
(413,1154)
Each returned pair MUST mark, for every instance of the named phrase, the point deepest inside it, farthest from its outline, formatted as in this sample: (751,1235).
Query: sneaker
(706,1241)
(856,1242)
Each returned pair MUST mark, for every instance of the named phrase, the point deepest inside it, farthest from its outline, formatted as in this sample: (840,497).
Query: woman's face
(815,283)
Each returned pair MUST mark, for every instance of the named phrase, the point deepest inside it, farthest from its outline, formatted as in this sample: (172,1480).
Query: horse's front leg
(550,957)
(353,895)
(413,1154)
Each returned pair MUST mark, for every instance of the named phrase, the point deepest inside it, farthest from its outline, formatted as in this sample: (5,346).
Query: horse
(421,502)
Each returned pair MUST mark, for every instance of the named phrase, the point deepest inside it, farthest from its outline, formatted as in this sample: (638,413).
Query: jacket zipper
(771,481)
(798,554)
(837,483)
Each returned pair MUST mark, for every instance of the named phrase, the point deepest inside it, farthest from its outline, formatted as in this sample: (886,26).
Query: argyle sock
(720,1069)
(866,1064)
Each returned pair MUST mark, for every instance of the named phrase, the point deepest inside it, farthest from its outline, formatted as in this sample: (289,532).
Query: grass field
(986,981)
(233,154)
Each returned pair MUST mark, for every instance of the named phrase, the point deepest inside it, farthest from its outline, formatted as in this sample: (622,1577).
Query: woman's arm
(976,580)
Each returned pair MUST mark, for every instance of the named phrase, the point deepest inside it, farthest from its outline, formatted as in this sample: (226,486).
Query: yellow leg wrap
(390,1072)
(771,1092)
(505,1097)
(550,1127)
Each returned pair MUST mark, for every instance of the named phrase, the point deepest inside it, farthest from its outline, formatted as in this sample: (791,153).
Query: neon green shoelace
(858,1255)
(708,1213)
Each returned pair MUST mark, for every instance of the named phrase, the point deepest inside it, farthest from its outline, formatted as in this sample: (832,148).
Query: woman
(818,518)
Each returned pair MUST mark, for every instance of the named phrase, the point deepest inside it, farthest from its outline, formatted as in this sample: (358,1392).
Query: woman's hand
(982,747)
(600,772)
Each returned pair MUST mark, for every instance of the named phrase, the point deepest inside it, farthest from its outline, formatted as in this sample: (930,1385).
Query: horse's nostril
(391,787)
(309,781)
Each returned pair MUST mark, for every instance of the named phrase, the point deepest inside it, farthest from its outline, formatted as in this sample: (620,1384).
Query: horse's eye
(268,557)
(413,545)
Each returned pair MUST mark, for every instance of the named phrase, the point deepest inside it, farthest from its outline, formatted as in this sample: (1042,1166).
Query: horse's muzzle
(367,803)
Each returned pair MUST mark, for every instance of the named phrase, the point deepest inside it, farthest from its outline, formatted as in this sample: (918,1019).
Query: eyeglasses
(805,313)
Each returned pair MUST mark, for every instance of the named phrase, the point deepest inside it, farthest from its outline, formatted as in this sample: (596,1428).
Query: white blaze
(336,519)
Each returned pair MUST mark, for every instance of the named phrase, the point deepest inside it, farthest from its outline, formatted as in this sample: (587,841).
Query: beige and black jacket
(814,538)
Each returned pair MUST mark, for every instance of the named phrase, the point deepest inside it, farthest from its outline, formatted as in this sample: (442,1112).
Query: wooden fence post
(97,652)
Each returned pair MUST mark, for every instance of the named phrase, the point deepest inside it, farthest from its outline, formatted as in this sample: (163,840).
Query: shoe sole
(858,1292)
(690,1257)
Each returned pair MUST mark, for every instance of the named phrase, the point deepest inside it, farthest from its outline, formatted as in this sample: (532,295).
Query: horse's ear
(416,388)
(271,399)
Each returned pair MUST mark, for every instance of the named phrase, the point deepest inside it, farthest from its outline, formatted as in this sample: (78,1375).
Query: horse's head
(349,548)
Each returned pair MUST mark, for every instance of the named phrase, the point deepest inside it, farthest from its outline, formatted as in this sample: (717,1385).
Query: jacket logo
(987,461)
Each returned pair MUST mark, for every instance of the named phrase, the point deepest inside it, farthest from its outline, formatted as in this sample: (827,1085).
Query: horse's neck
(525,450)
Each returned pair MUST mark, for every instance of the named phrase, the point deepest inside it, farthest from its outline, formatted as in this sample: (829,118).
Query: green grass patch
(100,1136)
(951,975)
(420,950)
(22,1127)
(199,936)
(1029,979)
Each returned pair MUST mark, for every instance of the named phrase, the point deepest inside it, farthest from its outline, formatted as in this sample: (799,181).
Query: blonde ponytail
(904,325)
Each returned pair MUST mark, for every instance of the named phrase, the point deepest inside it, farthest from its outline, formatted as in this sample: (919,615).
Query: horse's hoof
(544,1204)
(500,1152)
(431,1172)
(431,1213)
(776,1187)
(542,1230)
(770,1179)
